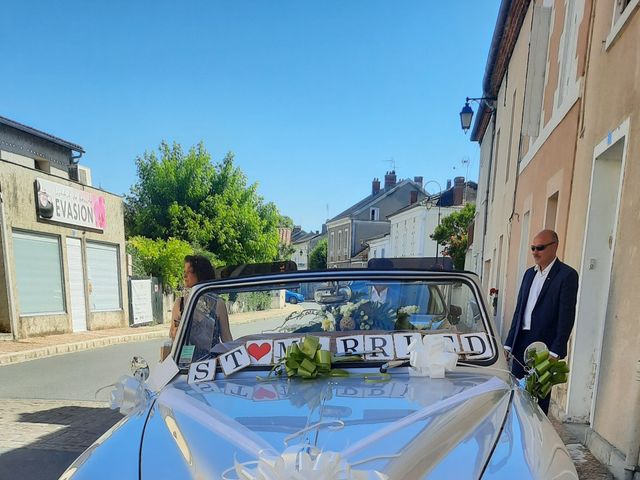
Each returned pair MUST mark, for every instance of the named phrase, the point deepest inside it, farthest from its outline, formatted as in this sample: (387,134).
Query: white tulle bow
(302,463)
(129,395)
(431,356)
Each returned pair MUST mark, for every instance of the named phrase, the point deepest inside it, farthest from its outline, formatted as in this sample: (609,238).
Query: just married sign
(376,347)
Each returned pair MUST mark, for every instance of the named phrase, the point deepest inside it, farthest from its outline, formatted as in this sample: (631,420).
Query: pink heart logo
(263,393)
(258,351)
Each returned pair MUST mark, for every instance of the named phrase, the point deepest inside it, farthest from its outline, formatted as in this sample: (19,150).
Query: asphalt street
(49,410)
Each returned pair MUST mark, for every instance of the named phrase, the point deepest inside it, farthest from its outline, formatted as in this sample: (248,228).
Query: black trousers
(524,340)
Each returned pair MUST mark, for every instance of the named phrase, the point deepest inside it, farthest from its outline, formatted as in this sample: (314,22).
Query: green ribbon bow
(543,373)
(308,360)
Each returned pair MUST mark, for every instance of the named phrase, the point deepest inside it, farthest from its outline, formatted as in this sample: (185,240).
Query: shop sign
(62,204)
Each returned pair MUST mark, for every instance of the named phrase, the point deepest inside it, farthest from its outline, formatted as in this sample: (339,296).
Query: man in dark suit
(546,306)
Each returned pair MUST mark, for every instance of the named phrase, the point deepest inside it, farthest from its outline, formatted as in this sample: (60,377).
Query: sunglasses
(540,248)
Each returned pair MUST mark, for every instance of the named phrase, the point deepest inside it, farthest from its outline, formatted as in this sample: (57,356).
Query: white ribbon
(302,462)
(129,395)
(431,356)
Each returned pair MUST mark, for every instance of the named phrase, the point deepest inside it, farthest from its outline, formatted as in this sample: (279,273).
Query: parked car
(293,297)
(255,403)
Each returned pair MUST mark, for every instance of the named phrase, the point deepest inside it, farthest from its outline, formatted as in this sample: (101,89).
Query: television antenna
(392,163)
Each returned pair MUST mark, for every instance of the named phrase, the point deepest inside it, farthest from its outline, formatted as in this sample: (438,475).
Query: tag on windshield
(186,354)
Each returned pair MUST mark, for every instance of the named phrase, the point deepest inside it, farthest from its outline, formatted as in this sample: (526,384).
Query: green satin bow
(544,373)
(308,360)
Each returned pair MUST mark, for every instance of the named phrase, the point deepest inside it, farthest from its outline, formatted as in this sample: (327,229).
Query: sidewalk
(588,467)
(46,346)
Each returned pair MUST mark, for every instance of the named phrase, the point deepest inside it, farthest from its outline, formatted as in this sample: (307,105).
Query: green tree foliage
(318,256)
(452,234)
(159,258)
(185,196)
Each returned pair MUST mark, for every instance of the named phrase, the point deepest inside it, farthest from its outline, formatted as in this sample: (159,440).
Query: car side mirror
(140,368)
(454,314)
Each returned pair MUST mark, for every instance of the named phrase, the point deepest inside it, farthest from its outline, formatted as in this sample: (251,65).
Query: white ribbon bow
(430,356)
(128,395)
(296,463)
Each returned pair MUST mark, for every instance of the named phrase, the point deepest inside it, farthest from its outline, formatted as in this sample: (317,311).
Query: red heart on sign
(258,351)
(261,393)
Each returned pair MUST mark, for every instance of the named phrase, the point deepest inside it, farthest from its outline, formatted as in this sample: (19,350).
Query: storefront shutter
(38,273)
(102,267)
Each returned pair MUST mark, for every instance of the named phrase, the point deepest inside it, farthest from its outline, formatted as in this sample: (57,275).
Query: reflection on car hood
(407,427)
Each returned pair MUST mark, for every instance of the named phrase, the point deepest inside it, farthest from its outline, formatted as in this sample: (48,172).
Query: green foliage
(452,234)
(318,256)
(159,258)
(185,196)
(252,301)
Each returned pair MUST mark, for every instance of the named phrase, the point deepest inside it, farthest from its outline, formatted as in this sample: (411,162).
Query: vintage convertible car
(332,389)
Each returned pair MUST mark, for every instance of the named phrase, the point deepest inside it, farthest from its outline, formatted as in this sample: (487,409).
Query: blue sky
(314,98)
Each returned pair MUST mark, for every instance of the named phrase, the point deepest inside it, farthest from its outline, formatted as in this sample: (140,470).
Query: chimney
(390,179)
(458,190)
(375,186)
(448,184)
(414,197)
(418,180)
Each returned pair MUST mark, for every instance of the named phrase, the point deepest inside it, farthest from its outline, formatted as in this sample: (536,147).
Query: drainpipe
(7,269)
(633,440)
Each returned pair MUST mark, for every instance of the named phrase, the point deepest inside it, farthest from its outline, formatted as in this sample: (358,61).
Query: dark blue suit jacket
(553,315)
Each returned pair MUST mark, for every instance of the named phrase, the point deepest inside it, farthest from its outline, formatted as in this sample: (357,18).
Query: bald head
(544,248)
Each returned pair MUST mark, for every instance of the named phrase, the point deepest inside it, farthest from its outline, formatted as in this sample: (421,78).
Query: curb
(36,353)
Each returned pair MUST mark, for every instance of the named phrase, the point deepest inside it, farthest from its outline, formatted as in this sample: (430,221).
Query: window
(524,244)
(38,273)
(621,6)
(567,59)
(623,10)
(513,120)
(339,244)
(374,214)
(536,70)
(104,278)
(331,247)
(382,253)
(346,243)
(495,166)
(552,212)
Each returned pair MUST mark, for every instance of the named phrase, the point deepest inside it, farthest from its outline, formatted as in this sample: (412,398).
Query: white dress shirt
(379,297)
(534,293)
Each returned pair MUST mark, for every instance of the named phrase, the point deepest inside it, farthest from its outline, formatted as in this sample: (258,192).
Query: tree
(185,196)
(452,234)
(159,258)
(318,256)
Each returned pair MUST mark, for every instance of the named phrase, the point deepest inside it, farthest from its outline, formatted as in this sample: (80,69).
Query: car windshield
(339,309)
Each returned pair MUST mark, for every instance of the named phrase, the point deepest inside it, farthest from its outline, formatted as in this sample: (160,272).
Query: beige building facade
(602,233)
(579,137)
(63,255)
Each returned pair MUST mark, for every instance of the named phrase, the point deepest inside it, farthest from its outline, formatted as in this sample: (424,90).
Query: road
(49,410)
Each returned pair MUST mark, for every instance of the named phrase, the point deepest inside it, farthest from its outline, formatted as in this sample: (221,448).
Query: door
(76,285)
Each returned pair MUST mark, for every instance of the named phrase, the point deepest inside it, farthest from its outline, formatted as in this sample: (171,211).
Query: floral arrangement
(365,315)
(403,315)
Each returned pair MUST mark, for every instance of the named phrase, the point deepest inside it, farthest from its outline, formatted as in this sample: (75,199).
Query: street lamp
(466,114)
(438,203)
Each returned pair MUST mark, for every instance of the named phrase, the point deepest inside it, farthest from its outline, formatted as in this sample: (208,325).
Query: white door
(76,285)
